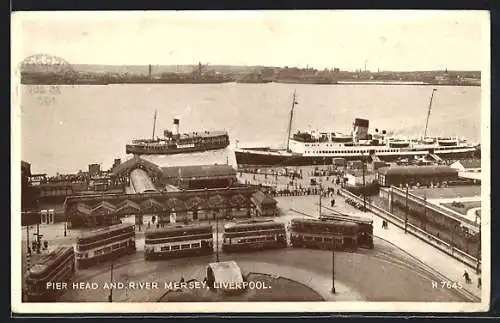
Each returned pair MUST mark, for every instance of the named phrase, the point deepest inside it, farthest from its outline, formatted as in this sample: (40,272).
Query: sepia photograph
(250,161)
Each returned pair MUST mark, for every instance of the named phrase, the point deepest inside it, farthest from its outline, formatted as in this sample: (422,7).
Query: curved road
(383,274)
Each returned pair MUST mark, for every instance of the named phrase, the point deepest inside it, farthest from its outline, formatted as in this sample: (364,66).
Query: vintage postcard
(263,161)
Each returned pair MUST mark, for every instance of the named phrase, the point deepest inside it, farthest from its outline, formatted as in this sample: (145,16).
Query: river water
(64,128)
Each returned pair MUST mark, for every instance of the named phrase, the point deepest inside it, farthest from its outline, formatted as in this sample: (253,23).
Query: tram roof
(349,218)
(180,228)
(105,230)
(45,260)
(326,221)
(250,224)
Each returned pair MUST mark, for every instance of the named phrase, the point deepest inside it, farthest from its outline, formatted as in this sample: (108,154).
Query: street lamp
(364,184)
(216,237)
(65,222)
(478,264)
(406,209)
(28,239)
(333,265)
(110,296)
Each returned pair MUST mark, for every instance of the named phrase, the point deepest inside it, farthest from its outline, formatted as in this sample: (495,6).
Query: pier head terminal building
(139,187)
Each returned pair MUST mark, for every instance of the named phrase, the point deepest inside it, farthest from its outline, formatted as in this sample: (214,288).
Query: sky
(385,40)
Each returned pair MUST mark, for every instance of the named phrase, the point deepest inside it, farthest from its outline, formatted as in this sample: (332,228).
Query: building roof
(152,205)
(105,206)
(83,208)
(127,206)
(263,198)
(135,162)
(470,163)
(417,170)
(226,271)
(198,171)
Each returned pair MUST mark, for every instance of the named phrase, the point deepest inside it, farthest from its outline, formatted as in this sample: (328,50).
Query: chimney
(360,129)
(175,130)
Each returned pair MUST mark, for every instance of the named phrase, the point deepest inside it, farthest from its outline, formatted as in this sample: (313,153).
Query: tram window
(98,252)
(317,238)
(176,247)
(167,248)
(107,249)
(195,245)
(185,246)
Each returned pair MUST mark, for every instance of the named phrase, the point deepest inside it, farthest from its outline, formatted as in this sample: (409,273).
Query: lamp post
(65,224)
(28,239)
(38,243)
(110,296)
(478,264)
(406,210)
(320,192)
(217,237)
(364,184)
(333,265)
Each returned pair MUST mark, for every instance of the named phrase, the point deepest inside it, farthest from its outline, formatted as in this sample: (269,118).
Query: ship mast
(429,113)
(154,124)
(290,122)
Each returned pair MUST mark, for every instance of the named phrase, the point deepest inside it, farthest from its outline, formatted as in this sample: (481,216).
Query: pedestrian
(466,277)
(182,279)
(479,282)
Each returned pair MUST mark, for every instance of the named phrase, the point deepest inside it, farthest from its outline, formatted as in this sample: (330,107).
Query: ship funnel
(360,129)
(175,129)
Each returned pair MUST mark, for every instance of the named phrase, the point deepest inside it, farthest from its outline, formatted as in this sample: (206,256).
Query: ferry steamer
(321,147)
(174,142)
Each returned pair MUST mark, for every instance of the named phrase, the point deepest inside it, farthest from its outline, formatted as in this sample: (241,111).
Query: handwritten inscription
(45,94)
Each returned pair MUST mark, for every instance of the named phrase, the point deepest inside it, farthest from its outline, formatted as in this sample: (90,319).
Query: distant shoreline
(280,82)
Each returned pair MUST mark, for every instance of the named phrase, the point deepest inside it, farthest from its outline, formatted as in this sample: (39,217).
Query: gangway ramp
(436,157)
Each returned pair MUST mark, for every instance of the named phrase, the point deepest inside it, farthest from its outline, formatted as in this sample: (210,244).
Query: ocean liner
(174,142)
(321,147)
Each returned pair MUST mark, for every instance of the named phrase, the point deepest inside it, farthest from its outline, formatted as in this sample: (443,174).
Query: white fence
(444,246)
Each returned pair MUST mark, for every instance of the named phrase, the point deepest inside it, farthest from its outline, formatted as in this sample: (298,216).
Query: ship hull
(137,150)
(255,157)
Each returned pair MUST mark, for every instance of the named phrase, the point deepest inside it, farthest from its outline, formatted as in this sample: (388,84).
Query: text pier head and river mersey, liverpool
(321,147)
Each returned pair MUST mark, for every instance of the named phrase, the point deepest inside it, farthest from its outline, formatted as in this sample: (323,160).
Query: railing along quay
(430,239)
(435,208)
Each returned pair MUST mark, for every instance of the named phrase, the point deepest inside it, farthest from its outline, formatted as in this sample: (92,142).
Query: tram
(252,235)
(323,234)
(178,241)
(56,267)
(365,230)
(104,244)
